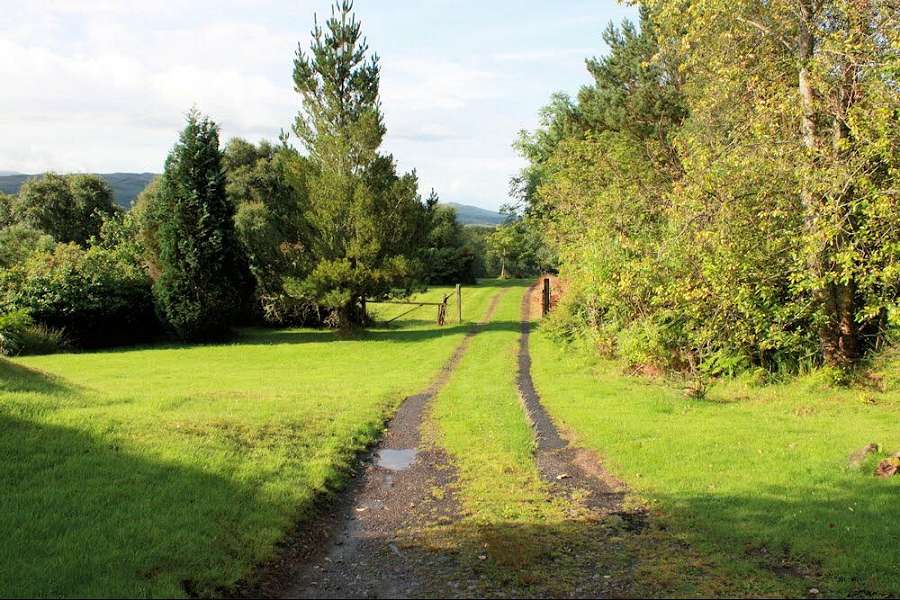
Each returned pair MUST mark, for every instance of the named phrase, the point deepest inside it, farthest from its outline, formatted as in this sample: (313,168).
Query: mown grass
(509,517)
(751,473)
(130,472)
(520,538)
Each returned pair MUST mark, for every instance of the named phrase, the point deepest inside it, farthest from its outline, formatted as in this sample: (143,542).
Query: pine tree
(367,222)
(202,271)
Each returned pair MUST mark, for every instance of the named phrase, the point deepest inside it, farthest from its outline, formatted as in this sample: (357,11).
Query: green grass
(128,472)
(534,542)
(751,473)
(509,516)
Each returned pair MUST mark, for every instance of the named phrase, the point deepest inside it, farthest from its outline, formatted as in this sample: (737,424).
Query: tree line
(723,196)
(248,233)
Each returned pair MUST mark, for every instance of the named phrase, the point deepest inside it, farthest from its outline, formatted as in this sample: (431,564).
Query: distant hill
(125,186)
(472,215)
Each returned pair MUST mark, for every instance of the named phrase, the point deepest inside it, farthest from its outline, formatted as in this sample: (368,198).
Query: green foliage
(91,295)
(697,226)
(41,339)
(367,224)
(18,242)
(268,187)
(13,327)
(519,249)
(485,263)
(7,210)
(69,208)
(202,284)
(447,256)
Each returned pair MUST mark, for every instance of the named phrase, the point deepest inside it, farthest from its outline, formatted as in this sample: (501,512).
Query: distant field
(128,472)
(751,472)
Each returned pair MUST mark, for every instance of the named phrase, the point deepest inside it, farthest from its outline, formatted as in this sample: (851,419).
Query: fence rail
(442,306)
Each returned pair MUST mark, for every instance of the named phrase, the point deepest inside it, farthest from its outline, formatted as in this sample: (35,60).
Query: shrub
(18,242)
(92,295)
(41,339)
(13,326)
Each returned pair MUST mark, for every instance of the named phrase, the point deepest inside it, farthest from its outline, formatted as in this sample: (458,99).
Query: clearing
(178,470)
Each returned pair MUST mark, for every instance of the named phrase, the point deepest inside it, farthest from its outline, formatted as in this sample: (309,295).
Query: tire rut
(358,547)
(570,471)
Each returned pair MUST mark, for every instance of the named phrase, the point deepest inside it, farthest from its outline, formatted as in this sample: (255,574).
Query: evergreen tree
(367,223)
(202,277)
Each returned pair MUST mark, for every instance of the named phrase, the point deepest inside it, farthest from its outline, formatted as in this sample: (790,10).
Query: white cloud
(427,84)
(103,85)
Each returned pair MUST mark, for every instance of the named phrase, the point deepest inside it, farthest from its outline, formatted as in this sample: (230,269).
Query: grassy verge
(129,472)
(753,475)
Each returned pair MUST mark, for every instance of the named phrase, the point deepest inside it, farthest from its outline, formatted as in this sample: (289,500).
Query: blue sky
(102,85)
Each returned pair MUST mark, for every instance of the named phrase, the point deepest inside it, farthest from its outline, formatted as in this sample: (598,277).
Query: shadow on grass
(16,378)
(580,558)
(82,518)
(841,536)
(758,546)
(270,337)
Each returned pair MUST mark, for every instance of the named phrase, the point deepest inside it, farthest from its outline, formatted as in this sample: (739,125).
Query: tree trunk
(503,274)
(838,335)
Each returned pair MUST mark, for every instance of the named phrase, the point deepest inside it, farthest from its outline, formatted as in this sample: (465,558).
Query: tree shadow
(840,535)
(274,337)
(17,378)
(773,543)
(259,336)
(83,517)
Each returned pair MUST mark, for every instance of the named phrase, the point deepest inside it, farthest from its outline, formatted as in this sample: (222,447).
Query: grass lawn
(129,472)
(510,517)
(756,473)
(535,543)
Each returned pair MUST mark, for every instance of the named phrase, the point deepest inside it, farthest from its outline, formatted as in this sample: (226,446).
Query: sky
(103,85)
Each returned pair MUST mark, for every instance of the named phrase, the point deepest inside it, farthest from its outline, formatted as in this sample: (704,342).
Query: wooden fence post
(458,304)
(545,300)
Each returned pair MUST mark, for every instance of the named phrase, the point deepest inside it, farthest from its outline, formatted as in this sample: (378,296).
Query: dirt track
(356,548)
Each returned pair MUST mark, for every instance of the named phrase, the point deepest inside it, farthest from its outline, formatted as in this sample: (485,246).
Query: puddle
(395,460)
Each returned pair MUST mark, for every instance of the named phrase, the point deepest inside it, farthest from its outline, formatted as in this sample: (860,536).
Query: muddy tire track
(570,471)
(356,548)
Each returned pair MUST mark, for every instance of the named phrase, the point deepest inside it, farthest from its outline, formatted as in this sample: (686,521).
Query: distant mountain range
(127,186)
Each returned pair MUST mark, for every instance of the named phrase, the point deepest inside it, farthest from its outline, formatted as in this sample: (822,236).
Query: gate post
(545,299)
(458,304)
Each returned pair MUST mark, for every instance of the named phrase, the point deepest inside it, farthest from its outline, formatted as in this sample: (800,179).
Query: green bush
(13,326)
(18,242)
(41,339)
(92,295)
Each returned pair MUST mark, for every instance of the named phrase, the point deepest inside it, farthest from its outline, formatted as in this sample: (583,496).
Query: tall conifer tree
(202,271)
(367,221)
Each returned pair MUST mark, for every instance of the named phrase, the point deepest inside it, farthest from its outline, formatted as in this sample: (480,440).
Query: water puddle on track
(395,460)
